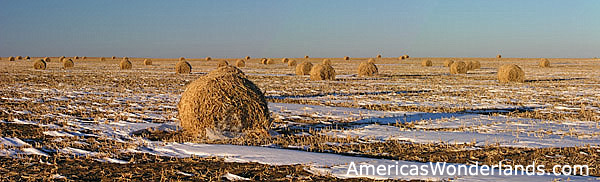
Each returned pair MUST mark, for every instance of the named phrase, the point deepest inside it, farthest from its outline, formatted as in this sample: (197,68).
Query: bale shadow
(554,80)
(348,94)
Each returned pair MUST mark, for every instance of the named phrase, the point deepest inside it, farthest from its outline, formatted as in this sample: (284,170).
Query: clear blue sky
(285,28)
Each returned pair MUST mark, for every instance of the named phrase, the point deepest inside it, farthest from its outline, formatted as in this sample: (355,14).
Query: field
(95,121)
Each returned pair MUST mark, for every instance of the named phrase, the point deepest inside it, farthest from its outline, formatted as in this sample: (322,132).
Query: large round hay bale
(510,73)
(367,69)
(11,58)
(304,68)
(183,67)
(102,59)
(378,55)
(224,104)
(83,58)
(181,59)
(114,57)
(346,58)
(400,57)
(458,67)
(322,72)
(263,61)
(371,60)
(247,57)
(473,65)
(292,63)
(76,57)
(47,59)
(222,63)
(240,63)
(448,62)
(125,64)
(406,56)
(19,57)
(68,63)
(305,57)
(544,63)
(208,58)
(27,57)
(285,60)
(327,61)
(40,64)
(426,63)
(269,61)
(498,56)
(147,62)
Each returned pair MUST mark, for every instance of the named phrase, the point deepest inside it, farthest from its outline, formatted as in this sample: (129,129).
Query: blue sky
(285,28)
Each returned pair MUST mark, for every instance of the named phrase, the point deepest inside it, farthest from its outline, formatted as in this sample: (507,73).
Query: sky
(294,28)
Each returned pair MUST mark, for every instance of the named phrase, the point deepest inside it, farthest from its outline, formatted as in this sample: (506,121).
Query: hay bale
(426,63)
(247,57)
(61,58)
(125,64)
(47,59)
(303,68)
(222,63)
(371,60)
(305,57)
(405,56)
(498,56)
(113,57)
(322,72)
(40,64)
(224,104)
(240,63)
(68,63)
(11,58)
(346,58)
(544,63)
(327,61)
(181,59)
(510,73)
(400,57)
(147,62)
(473,65)
(285,60)
(367,69)
(208,58)
(83,58)
(292,63)
(269,61)
(378,55)
(102,59)
(19,58)
(27,57)
(183,67)
(458,67)
(75,57)
(448,62)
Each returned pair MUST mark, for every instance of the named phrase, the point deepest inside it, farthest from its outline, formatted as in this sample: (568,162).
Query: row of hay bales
(41,64)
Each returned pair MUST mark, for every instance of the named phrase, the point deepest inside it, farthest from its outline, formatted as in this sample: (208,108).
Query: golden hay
(426,63)
(498,56)
(27,57)
(181,59)
(322,72)
(47,59)
(208,58)
(11,58)
(224,104)
(367,69)
(346,58)
(247,57)
(544,63)
(222,63)
(285,60)
(371,60)
(240,63)
(304,68)
(473,65)
(19,57)
(147,62)
(183,67)
(458,67)
(378,55)
(125,64)
(292,63)
(448,62)
(40,64)
(510,73)
(68,63)
(327,61)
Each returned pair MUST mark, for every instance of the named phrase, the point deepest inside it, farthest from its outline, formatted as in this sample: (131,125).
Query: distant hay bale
(61,58)
(27,57)
(102,59)
(240,63)
(113,57)
(40,64)
(76,57)
(247,57)
(292,63)
(405,56)
(285,60)
(263,61)
(510,73)
(458,67)
(367,69)
(222,63)
(208,58)
(303,68)
(224,104)
(11,58)
(125,64)
(378,55)
(426,63)
(269,61)
(19,58)
(181,59)
(305,57)
(544,63)
(400,57)
(498,56)
(371,60)
(322,72)
(327,61)
(183,67)
(147,62)
(346,58)
(47,59)
(473,65)
(448,62)
(68,63)
(84,58)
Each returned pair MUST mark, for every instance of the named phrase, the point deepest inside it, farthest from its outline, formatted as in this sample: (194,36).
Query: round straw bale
(224,104)
(84,58)
(346,58)
(125,64)
(406,56)
(544,63)
(327,61)
(498,56)
(102,59)
(473,65)
(61,58)
(113,57)
(322,72)
(292,63)
(458,67)
(19,57)
(247,57)
(68,63)
(181,59)
(222,63)
(448,62)
(426,63)
(304,68)
(27,57)
(208,58)
(47,59)
(305,57)
(11,58)
(40,64)
(285,60)
(510,73)
(270,61)
(367,69)
(183,67)
(378,55)
(76,57)
(147,62)
(263,61)
(240,63)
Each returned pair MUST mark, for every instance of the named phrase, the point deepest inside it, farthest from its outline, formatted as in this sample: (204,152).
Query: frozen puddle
(323,163)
